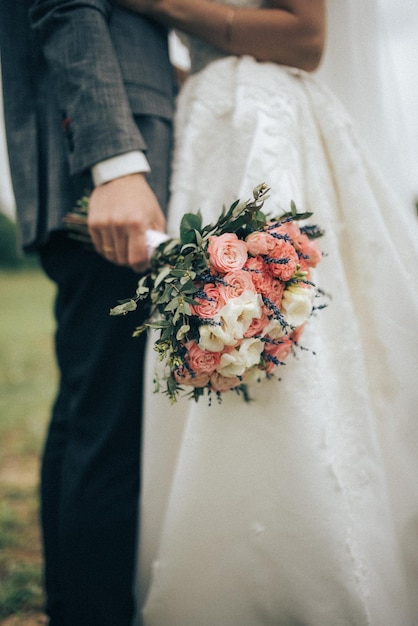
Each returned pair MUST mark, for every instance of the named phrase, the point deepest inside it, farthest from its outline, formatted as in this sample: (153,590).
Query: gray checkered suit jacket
(77,79)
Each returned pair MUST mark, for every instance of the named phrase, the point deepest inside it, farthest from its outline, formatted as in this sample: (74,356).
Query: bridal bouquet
(229,300)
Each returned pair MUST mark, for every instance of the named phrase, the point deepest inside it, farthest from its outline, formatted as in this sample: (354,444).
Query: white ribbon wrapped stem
(153,238)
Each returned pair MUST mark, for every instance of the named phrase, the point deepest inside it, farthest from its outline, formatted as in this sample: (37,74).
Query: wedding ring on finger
(107,249)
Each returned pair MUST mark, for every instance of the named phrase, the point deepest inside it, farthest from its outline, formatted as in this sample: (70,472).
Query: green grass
(20,562)
(27,381)
(20,590)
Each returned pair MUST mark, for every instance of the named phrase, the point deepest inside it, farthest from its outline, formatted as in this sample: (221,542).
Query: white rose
(238,313)
(297,303)
(242,358)
(233,320)
(215,337)
(275,330)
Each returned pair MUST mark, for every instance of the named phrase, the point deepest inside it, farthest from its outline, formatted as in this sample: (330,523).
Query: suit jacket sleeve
(87,80)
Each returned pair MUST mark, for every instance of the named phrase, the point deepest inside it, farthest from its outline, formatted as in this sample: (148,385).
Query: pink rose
(227,253)
(276,292)
(260,242)
(310,252)
(305,246)
(201,361)
(209,306)
(297,333)
(184,377)
(236,283)
(291,229)
(283,250)
(260,275)
(279,350)
(223,383)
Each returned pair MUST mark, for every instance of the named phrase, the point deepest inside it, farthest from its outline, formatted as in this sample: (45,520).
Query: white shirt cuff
(128,163)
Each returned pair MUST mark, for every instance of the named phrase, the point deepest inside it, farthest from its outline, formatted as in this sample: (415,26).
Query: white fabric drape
(302,507)
(358,66)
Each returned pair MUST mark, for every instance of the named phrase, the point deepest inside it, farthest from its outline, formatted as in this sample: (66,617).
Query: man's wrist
(121,165)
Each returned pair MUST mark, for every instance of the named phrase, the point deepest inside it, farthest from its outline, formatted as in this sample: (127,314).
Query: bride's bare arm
(289,32)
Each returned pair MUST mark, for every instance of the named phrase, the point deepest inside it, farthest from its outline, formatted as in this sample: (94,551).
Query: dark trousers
(90,469)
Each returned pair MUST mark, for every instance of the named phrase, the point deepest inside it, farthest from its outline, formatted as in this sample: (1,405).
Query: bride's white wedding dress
(301,507)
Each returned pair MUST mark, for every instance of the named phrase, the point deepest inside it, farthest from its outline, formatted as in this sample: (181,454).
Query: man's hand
(120,212)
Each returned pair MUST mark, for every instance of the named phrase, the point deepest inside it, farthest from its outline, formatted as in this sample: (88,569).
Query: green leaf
(260,192)
(176,317)
(237,209)
(198,237)
(178,273)
(142,290)
(166,334)
(162,275)
(187,286)
(139,330)
(158,325)
(293,208)
(182,331)
(185,308)
(187,246)
(188,275)
(171,384)
(173,304)
(190,301)
(170,246)
(189,224)
(123,309)
(162,297)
